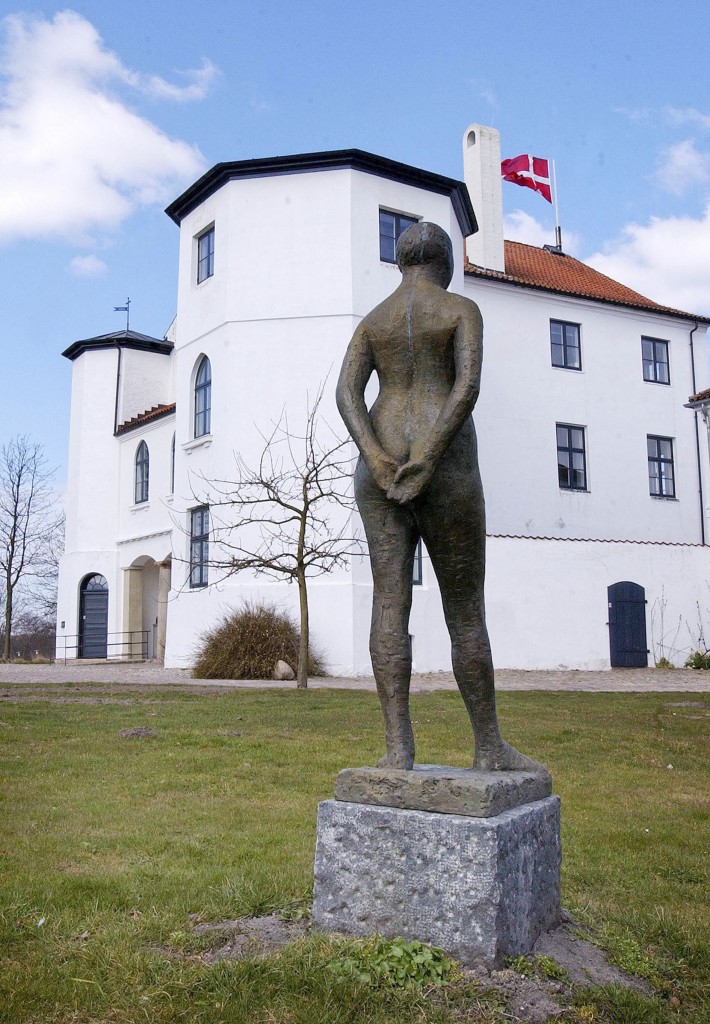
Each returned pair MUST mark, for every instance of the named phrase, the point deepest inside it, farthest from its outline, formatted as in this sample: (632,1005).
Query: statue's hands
(411,480)
(383,469)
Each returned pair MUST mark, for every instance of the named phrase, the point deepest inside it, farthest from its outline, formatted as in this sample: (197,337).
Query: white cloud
(519,226)
(681,167)
(667,260)
(202,79)
(687,115)
(75,158)
(87,266)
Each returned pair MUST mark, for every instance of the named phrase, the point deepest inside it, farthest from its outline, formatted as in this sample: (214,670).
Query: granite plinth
(482,888)
(442,789)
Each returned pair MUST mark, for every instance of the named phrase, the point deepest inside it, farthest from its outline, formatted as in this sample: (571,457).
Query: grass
(108,845)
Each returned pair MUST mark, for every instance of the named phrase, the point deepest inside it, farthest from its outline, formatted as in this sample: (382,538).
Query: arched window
(203,398)
(142,469)
(172,465)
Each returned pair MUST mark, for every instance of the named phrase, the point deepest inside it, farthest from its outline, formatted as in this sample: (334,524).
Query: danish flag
(530,171)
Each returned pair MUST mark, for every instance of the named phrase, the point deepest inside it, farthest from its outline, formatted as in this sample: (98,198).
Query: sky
(109,111)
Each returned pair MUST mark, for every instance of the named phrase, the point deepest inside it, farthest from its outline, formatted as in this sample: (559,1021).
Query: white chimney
(481,172)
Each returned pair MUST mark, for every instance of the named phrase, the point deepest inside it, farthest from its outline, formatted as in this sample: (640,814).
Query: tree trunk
(302,676)
(8,623)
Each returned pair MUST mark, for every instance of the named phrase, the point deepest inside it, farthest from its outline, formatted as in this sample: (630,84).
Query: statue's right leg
(392,539)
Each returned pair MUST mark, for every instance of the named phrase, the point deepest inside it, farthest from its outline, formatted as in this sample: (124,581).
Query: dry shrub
(247,644)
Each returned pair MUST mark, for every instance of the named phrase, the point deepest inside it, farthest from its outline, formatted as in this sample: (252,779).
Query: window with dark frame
(392,225)
(417,573)
(564,345)
(661,472)
(205,255)
(140,493)
(656,368)
(203,398)
(199,545)
(571,457)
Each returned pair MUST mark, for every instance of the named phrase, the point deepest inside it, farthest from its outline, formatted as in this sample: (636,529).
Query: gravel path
(617,680)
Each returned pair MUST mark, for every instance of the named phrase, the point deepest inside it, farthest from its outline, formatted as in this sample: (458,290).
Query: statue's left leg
(451,518)
(392,538)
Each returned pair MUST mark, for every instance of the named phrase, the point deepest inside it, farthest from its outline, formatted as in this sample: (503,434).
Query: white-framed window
(202,420)
(656,364)
(565,345)
(142,473)
(571,457)
(392,225)
(199,546)
(205,255)
(661,468)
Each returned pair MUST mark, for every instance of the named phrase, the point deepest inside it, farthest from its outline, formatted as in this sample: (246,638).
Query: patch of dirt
(533,999)
(252,936)
(138,732)
(585,963)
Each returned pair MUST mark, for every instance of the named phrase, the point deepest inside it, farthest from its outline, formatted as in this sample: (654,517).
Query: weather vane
(124,309)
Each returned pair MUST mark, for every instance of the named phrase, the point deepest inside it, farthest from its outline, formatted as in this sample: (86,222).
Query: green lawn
(107,845)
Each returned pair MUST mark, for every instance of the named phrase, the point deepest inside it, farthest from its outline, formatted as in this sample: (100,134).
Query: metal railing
(133,645)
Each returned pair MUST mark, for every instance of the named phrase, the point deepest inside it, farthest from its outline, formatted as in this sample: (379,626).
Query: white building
(593,469)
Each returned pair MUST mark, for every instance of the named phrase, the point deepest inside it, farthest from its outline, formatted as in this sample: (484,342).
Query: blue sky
(108,111)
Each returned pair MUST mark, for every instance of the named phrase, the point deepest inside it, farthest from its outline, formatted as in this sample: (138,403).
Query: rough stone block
(481,888)
(444,790)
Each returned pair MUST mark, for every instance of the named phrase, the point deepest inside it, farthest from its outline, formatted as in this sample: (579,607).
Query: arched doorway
(627,625)
(93,617)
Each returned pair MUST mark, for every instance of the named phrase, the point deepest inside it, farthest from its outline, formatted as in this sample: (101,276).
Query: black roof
(356,159)
(120,339)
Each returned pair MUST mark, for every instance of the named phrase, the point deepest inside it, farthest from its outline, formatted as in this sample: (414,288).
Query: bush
(247,644)
(698,659)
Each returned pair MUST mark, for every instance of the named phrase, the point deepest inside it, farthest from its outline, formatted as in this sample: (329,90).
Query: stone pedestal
(481,887)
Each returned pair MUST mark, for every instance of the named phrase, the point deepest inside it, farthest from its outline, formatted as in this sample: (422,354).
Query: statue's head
(426,243)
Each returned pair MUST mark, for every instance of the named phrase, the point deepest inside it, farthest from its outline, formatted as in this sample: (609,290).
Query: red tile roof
(530,267)
(702,396)
(145,417)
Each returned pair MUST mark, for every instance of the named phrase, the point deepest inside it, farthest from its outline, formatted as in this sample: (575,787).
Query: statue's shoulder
(463,305)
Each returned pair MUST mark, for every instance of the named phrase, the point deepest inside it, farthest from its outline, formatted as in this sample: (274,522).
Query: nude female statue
(417,476)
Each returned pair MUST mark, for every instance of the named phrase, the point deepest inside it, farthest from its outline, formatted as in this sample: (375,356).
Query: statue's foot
(503,758)
(397,759)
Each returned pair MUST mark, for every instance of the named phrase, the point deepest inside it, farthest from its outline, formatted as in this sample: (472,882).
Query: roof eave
(301,163)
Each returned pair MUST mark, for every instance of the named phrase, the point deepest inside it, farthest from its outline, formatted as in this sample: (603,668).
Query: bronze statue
(417,476)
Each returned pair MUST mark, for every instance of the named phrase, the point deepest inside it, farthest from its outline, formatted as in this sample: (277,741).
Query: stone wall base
(482,889)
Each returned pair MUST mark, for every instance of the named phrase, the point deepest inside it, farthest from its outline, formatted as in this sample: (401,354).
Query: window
(661,478)
(417,574)
(199,545)
(391,227)
(571,457)
(203,398)
(205,255)
(141,475)
(564,342)
(655,360)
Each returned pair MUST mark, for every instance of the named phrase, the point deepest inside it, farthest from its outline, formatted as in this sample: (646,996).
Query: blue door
(93,618)
(627,626)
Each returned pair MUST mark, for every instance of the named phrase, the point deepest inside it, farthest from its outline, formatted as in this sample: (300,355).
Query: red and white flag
(531,171)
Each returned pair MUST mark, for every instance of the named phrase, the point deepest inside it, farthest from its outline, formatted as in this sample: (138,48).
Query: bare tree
(289,517)
(30,524)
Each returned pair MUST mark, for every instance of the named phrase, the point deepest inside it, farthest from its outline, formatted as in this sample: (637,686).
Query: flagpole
(558,229)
